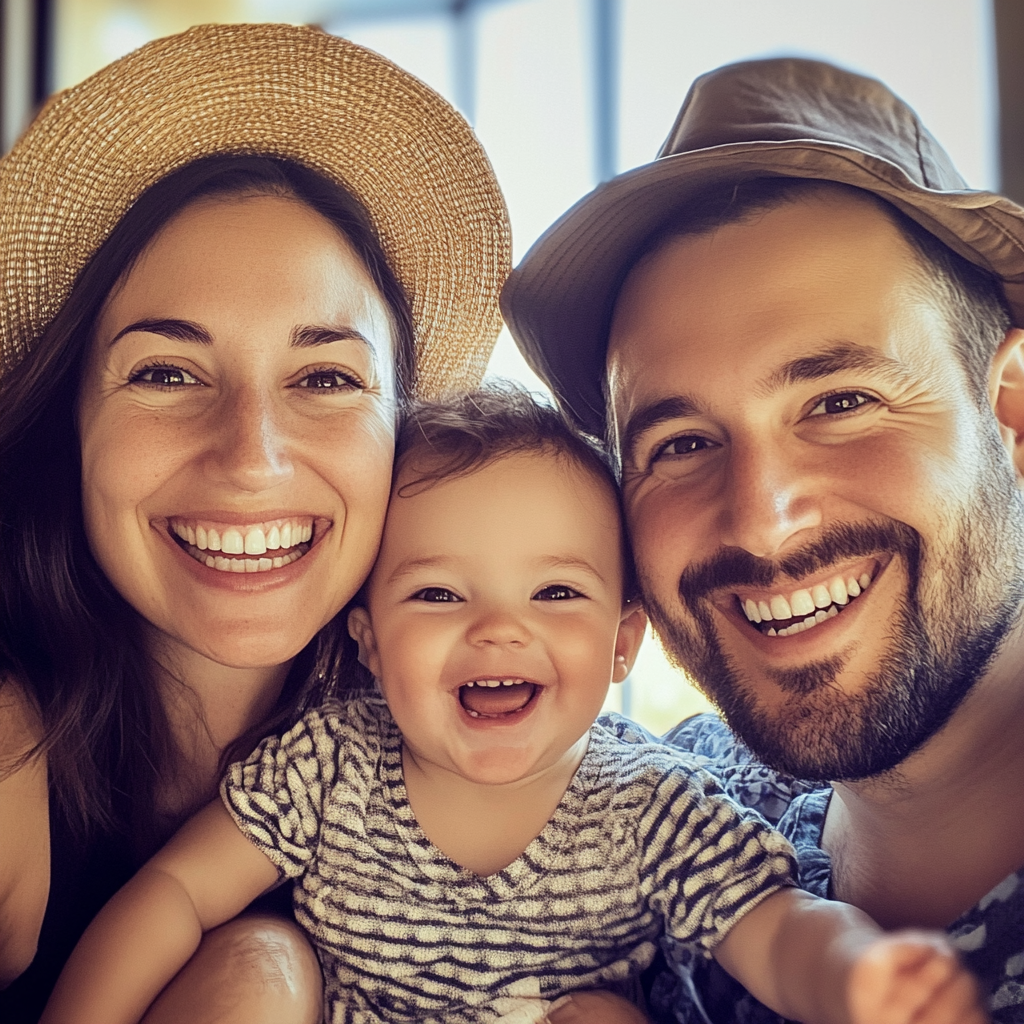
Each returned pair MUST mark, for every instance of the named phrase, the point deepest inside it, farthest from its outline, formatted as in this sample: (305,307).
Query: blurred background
(566,93)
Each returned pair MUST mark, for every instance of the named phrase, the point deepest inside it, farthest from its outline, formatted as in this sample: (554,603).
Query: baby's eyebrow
(411,565)
(570,562)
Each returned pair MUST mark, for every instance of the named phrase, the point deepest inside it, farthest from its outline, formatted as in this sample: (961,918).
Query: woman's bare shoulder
(20,723)
(25,837)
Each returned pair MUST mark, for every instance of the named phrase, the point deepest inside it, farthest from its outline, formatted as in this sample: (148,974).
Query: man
(802,327)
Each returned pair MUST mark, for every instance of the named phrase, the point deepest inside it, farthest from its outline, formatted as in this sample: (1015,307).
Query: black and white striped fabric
(643,843)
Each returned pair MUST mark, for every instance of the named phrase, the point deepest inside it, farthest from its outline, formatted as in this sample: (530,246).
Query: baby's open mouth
(254,548)
(788,614)
(496,698)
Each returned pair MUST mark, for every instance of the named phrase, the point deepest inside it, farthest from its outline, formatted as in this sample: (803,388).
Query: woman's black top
(81,881)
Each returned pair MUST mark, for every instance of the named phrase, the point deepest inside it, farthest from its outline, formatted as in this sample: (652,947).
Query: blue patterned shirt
(692,990)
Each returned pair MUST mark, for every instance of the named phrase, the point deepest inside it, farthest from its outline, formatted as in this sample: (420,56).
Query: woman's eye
(435,595)
(842,401)
(163,377)
(330,380)
(556,592)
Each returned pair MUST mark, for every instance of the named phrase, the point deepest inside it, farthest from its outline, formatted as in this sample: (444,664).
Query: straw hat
(270,90)
(784,117)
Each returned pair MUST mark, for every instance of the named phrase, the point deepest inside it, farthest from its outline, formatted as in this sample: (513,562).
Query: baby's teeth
(801,602)
(491,682)
(780,608)
(852,588)
(750,610)
(837,588)
(821,597)
(201,537)
(471,683)
(232,542)
(764,611)
(255,542)
(274,538)
(213,540)
(864,581)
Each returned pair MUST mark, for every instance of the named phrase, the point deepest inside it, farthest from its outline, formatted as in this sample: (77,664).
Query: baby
(473,847)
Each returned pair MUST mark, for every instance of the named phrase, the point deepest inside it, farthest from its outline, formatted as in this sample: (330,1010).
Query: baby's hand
(596,1007)
(913,977)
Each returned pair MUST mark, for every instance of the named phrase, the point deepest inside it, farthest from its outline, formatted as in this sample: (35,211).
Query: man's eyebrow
(311,336)
(651,415)
(836,359)
(178,330)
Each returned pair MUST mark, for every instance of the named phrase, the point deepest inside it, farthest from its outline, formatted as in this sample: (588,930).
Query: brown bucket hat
(782,117)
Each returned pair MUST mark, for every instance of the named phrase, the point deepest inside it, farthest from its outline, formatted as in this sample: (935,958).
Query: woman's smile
(241,548)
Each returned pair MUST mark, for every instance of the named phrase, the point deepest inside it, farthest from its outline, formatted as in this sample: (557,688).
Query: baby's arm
(827,963)
(206,875)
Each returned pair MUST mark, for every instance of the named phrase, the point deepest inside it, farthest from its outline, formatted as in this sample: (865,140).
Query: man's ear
(627,640)
(1006,394)
(361,630)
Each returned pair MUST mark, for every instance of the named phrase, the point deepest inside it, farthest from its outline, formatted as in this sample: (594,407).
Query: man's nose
(498,627)
(769,497)
(252,449)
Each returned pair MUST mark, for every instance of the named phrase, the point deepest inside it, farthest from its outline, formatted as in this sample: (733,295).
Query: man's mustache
(734,567)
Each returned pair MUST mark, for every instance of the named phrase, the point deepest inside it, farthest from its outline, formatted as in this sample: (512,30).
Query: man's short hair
(459,435)
(969,297)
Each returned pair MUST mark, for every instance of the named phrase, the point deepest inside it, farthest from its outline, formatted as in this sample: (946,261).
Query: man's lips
(785,613)
(497,698)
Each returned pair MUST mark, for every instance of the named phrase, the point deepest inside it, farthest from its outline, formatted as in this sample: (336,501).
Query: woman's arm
(207,873)
(828,963)
(25,835)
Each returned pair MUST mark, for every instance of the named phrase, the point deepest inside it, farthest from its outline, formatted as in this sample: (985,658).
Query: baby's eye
(556,592)
(163,377)
(840,402)
(435,595)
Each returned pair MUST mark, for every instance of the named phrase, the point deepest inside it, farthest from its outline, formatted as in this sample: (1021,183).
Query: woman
(227,259)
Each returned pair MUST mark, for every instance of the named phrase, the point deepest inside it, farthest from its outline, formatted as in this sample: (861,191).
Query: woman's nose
(252,447)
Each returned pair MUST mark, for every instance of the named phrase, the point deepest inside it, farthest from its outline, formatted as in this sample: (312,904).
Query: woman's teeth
(808,607)
(289,538)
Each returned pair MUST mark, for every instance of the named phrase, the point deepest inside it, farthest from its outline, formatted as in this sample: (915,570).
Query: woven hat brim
(558,302)
(271,90)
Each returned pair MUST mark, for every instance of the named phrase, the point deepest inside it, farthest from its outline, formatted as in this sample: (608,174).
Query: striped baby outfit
(642,844)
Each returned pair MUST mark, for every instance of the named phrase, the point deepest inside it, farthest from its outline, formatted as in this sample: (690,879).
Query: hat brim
(559,301)
(269,90)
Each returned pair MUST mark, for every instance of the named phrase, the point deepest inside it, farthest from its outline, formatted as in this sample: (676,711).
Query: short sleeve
(705,860)
(276,795)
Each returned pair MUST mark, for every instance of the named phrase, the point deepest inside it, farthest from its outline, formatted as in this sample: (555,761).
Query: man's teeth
(290,538)
(495,682)
(808,606)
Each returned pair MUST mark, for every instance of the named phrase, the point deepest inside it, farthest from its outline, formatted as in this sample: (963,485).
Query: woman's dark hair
(66,634)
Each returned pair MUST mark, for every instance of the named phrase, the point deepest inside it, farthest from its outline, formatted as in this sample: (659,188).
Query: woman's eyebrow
(178,330)
(311,336)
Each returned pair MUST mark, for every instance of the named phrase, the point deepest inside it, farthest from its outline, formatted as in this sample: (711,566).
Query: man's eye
(163,377)
(556,592)
(842,401)
(435,595)
(330,380)
(687,444)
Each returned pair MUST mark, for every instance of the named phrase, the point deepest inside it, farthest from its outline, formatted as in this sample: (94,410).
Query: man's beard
(962,599)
